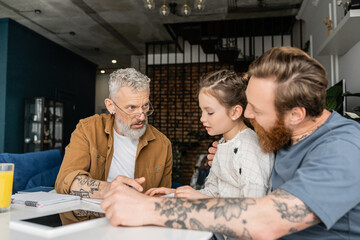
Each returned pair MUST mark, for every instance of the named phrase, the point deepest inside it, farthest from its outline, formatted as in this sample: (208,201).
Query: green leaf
(334,98)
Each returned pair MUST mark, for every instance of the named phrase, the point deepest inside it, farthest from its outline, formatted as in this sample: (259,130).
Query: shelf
(344,36)
(43,125)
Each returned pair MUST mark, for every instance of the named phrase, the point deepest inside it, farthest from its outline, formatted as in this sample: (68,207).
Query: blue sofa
(34,169)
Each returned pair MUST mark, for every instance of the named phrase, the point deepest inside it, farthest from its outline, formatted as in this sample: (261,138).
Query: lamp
(199,5)
(172,7)
(186,10)
(36,11)
(149,4)
(164,10)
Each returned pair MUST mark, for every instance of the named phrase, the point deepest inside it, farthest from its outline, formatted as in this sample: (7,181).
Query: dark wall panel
(38,67)
(3,65)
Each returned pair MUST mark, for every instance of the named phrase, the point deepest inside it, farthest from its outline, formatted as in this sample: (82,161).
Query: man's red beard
(273,140)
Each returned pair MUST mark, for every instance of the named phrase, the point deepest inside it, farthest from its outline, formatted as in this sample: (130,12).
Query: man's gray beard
(128,131)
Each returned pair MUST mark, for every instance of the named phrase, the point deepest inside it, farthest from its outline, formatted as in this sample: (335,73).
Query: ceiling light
(186,10)
(113,61)
(149,4)
(70,33)
(199,5)
(164,10)
(36,11)
(102,71)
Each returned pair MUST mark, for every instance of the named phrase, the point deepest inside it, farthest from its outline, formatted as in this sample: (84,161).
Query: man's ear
(296,115)
(236,112)
(110,105)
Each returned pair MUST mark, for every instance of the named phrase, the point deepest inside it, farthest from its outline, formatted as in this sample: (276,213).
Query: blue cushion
(46,178)
(27,165)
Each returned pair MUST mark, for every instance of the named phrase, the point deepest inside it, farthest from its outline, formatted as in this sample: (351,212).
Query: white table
(104,232)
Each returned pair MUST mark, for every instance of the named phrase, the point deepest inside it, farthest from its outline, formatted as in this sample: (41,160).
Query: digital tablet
(60,223)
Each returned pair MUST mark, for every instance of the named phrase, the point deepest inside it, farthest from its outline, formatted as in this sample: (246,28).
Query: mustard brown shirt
(91,149)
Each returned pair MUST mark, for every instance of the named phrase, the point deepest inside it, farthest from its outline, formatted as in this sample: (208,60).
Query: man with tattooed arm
(117,148)
(316,190)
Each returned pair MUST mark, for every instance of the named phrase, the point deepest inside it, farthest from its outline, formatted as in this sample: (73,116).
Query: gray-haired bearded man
(120,147)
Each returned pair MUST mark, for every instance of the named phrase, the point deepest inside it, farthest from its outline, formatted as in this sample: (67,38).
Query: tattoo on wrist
(87,213)
(295,213)
(82,193)
(91,183)
(87,186)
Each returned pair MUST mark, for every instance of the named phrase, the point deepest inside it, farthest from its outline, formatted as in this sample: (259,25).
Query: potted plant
(335,98)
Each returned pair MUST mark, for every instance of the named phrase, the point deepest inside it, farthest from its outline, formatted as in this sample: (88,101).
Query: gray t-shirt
(323,171)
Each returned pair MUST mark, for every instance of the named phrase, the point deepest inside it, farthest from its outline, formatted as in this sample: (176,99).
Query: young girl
(240,168)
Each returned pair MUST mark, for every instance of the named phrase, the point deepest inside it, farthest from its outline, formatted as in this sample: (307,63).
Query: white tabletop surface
(103,232)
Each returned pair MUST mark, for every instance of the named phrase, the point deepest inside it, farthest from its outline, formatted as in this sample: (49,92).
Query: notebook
(170,195)
(42,199)
(92,200)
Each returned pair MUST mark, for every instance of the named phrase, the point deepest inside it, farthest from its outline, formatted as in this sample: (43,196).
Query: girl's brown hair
(226,86)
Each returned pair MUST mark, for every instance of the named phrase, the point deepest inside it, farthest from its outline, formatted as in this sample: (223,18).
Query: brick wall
(177,113)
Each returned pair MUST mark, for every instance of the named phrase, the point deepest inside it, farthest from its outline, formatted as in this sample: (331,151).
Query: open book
(92,200)
(42,199)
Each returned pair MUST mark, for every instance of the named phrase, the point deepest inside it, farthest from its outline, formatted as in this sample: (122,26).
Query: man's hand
(134,183)
(87,187)
(189,193)
(125,206)
(212,151)
(159,191)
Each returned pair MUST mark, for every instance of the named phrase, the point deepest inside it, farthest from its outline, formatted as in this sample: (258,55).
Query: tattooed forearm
(280,193)
(223,229)
(178,212)
(227,208)
(86,213)
(295,213)
(293,230)
(84,186)
(86,181)
(82,193)
(179,208)
(231,208)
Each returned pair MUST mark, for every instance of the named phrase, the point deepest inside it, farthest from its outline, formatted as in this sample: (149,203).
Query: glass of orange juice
(6,183)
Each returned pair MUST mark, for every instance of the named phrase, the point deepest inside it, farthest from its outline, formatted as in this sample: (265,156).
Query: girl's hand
(159,191)
(189,193)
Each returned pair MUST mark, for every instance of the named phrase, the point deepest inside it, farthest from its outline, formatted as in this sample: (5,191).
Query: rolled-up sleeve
(76,160)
